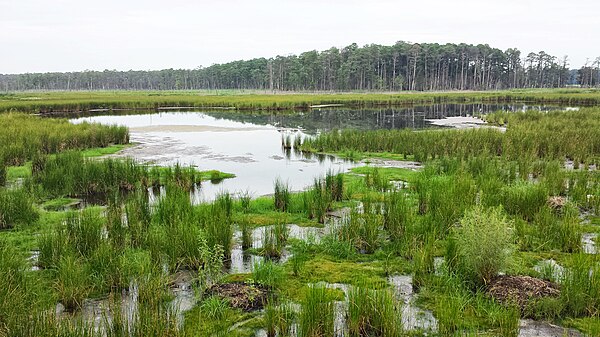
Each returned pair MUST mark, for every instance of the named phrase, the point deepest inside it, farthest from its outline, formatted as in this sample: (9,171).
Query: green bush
(482,244)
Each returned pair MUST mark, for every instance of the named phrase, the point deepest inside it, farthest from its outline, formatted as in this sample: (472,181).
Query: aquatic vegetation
(532,135)
(282,195)
(26,136)
(362,230)
(373,313)
(267,273)
(16,207)
(317,313)
(72,283)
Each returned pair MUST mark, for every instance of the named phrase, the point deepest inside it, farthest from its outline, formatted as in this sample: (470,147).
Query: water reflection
(249,145)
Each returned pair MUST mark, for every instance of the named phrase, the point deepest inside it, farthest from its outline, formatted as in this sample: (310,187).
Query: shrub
(482,244)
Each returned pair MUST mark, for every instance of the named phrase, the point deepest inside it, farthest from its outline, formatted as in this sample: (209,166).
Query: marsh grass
(72,282)
(267,273)
(317,313)
(559,231)
(317,201)
(524,199)
(530,136)
(16,207)
(373,313)
(25,136)
(274,240)
(361,230)
(281,196)
(279,320)
(580,287)
(84,230)
(398,214)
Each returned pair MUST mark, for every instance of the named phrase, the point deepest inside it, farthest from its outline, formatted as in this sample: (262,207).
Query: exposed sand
(191,128)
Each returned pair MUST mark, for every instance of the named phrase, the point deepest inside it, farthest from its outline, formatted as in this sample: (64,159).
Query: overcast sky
(74,35)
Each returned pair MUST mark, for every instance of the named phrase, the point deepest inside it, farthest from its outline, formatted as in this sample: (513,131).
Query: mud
(377,162)
(520,290)
(463,122)
(531,328)
(241,295)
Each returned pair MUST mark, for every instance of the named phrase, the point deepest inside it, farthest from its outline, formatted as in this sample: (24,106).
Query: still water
(249,144)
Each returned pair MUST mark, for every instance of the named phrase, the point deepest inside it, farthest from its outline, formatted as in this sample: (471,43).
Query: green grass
(103,151)
(77,101)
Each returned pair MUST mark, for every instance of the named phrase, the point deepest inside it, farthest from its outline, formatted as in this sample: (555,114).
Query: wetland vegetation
(483,231)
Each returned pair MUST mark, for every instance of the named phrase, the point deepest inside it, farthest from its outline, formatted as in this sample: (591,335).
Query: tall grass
(16,207)
(398,214)
(317,313)
(74,101)
(530,135)
(72,282)
(373,313)
(267,273)
(26,136)
(361,230)
(282,195)
(580,287)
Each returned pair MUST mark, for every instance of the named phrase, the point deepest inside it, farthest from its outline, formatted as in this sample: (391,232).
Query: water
(250,151)
(249,145)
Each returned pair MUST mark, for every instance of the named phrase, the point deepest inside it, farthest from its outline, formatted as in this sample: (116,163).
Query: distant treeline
(403,66)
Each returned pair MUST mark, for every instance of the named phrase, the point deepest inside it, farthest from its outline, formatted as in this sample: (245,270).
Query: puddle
(251,151)
(33,259)
(249,144)
(588,243)
(241,262)
(531,328)
(550,269)
(97,311)
(413,317)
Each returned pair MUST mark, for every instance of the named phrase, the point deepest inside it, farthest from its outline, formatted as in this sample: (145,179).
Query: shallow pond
(250,145)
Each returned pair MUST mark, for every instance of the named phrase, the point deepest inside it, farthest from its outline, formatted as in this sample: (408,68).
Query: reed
(267,273)
(317,313)
(373,313)
(26,136)
(16,207)
(72,282)
(281,196)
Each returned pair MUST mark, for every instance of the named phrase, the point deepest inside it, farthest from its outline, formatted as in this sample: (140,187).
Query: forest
(403,66)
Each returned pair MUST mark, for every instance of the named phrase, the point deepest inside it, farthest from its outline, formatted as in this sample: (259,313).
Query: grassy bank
(47,102)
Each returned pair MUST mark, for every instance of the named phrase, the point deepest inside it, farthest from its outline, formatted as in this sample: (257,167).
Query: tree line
(402,66)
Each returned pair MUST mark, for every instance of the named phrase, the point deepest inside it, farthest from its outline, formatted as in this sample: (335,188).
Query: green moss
(198,323)
(60,204)
(103,151)
(18,172)
(389,173)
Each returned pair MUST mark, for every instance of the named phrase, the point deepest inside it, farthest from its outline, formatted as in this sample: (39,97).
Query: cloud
(68,35)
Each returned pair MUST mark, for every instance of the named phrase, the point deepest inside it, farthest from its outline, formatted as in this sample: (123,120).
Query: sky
(76,35)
